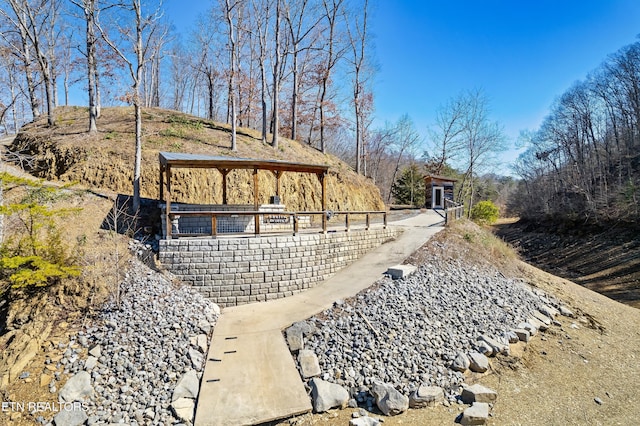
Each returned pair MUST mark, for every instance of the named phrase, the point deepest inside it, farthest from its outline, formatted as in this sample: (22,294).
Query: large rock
(537,323)
(497,345)
(477,414)
(484,348)
(541,317)
(76,388)
(478,393)
(523,335)
(566,312)
(196,357)
(326,395)
(70,417)
(549,311)
(460,363)
(187,387)
(532,329)
(364,421)
(309,365)
(426,396)
(389,400)
(295,338)
(184,409)
(511,336)
(478,362)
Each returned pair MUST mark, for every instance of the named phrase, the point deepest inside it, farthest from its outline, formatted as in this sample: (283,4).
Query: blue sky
(521,53)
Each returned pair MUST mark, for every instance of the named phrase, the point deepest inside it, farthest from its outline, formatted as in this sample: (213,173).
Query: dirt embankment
(605,260)
(105,160)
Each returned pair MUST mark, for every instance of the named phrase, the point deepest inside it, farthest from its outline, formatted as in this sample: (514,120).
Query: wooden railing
(325,219)
(452,211)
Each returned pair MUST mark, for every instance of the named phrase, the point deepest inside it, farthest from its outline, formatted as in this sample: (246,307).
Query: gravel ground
(407,332)
(144,346)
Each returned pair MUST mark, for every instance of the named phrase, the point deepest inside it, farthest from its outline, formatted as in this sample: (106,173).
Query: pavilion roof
(184,160)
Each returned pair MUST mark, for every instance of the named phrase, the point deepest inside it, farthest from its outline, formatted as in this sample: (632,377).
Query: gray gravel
(142,348)
(407,332)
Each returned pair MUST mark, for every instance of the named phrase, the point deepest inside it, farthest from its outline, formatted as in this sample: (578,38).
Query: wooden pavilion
(171,160)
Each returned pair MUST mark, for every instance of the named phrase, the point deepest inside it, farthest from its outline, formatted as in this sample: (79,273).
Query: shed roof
(184,160)
(443,178)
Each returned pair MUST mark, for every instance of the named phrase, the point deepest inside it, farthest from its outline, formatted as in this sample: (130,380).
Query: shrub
(485,213)
(34,253)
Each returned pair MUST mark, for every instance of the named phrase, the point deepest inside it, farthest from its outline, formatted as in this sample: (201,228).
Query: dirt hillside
(105,160)
(604,259)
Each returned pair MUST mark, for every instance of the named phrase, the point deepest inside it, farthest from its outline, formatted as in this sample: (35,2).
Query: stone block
(478,393)
(477,414)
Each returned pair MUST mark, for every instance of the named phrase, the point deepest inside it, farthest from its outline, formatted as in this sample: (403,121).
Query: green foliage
(34,253)
(185,122)
(35,271)
(409,187)
(485,213)
(172,132)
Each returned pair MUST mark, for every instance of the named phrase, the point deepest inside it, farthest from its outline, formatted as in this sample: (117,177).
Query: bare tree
(481,138)
(231,27)
(261,20)
(277,59)
(405,142)
(446,136)
(302,27)
(333,53)
(138,43)
(89,11)
(358,40)
(33,22)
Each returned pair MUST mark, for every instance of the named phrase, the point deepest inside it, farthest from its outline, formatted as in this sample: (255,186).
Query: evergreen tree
(409,187)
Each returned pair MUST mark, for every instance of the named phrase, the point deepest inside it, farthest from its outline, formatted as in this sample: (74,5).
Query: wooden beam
(278,174)
(224,172)
(323,183)
(161,191)
(168,201)
(256,200)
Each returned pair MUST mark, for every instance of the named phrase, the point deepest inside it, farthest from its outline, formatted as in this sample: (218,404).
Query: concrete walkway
(250,376)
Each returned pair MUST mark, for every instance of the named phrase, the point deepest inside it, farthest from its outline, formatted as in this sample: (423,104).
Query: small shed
(437,190)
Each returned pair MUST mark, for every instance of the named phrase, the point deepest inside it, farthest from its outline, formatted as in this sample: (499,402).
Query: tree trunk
(232,61)
(276,82)
(91,65)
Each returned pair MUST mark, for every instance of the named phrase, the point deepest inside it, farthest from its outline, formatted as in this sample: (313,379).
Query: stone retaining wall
(235,271)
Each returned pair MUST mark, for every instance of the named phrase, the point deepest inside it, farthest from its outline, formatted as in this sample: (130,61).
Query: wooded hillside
(103,160)
(583,164)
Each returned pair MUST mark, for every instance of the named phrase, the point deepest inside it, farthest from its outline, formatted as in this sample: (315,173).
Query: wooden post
(346,220)
(384,219)
(368,223)
(295,224)
(278,174)
(323,183)
(214,225)
(224,172)
(256,201)
(168,201)
(161,192)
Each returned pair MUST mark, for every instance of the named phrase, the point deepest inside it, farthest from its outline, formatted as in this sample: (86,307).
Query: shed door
(437,200)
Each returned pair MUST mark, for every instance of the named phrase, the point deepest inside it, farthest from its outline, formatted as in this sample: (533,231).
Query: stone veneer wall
(235,271)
